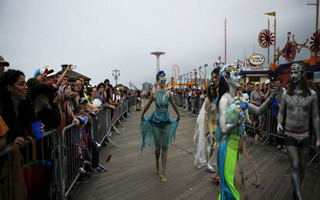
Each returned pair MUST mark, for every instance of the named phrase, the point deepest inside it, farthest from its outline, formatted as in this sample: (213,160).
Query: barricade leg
(111,141)
(123,117)
(115,129)
(264,135)
(103,167)
(121,123)
(317,165)
(61,175)
(314,157)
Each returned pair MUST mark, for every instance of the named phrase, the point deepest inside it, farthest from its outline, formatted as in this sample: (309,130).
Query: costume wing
(199,137)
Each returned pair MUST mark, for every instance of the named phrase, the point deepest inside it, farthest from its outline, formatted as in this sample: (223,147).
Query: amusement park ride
(197,78)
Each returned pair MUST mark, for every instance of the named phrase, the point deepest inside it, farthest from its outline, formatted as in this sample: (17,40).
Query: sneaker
(86,175)
(284,150)
(96,169)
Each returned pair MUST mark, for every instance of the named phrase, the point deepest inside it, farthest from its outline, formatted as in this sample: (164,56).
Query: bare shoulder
(285,94)
(224,102)
(226,98)
(313,94)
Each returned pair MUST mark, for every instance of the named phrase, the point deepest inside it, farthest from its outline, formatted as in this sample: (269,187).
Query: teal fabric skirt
(157,133)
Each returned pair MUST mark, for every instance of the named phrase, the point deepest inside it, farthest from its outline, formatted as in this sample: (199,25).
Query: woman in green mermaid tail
(158,129)
(228,155)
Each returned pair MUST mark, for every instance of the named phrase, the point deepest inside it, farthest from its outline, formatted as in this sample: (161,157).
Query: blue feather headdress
(161,73)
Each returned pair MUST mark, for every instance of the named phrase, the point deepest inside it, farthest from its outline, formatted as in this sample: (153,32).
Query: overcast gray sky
(102,35)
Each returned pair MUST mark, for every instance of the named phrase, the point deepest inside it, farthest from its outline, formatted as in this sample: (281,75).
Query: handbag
(37,175)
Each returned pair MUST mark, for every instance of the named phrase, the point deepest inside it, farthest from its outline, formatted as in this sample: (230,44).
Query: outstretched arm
(258,110)
(174,105)
(281,113)
(148,104)
(266,95)
(63,75)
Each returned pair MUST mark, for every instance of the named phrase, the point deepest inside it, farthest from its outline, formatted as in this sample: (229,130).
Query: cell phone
(73,66)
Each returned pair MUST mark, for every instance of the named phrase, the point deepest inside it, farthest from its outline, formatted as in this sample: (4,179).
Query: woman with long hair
(231,145)
(299,109)
(158,130)
(15,106)
(205,130)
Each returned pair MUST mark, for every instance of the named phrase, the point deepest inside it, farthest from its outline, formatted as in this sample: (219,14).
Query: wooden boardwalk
(131,175)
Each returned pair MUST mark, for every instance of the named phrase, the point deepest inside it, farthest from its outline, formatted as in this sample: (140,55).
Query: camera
(73,66)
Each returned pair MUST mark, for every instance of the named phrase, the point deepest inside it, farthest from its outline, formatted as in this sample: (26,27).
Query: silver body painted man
(300,105)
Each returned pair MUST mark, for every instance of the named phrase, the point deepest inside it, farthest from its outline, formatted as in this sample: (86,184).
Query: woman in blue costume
(228,155)
(158,130)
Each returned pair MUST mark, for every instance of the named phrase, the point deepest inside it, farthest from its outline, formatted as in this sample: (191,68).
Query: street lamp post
(195,77)
(116,74)
(205,73)
(200,81)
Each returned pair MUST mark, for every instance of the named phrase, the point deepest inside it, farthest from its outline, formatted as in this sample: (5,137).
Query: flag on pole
(271,14)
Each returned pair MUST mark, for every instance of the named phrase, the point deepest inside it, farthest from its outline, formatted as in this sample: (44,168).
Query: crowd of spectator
(57,102)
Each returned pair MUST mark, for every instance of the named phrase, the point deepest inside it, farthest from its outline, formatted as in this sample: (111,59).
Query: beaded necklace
(243,106)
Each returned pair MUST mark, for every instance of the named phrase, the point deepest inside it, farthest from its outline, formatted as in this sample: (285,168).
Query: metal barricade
(196,106)
(48,151)
(176,99)
(72,158)
(191,104)
(185,103)
(101,124)
(179,100)
(115,119)
(271,124)
(314,157)
(66,152)
(125,110)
